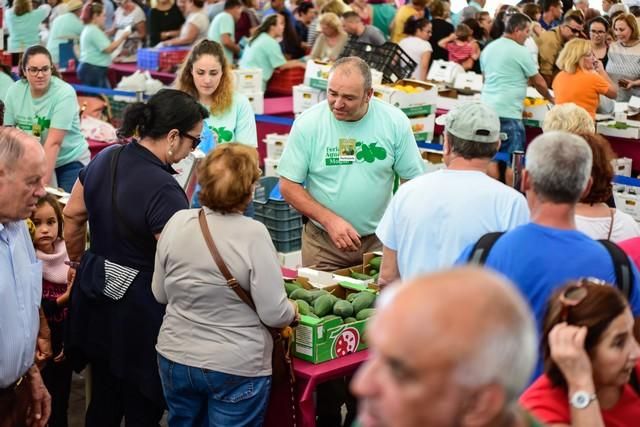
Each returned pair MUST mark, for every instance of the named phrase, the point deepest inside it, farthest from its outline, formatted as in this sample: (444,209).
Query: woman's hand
(567,351)
(598,66)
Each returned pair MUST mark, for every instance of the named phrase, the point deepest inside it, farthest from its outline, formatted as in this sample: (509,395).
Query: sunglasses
(574,30)
(575,294)
(195,140)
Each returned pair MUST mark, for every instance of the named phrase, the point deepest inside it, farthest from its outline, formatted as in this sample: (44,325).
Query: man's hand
(40,405)
(43,344)
(343,235)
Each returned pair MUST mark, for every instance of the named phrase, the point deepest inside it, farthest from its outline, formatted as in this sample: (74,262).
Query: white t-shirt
(531,45)
(415,48)
(432,218)
(122,21)
(624,226)
(200,21)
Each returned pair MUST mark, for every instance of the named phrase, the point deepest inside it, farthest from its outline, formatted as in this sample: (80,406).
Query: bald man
(455,348)
(23,397)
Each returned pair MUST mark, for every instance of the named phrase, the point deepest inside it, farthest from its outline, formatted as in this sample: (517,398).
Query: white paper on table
(119,34)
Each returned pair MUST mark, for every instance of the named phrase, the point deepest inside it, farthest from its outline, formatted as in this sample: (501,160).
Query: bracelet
(72,264)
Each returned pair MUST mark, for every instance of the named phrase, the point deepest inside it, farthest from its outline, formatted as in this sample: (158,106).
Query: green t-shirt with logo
(93,42)
(264,53)
(237,124)
(223,23)
(349,167)
(56,109)
(65,27)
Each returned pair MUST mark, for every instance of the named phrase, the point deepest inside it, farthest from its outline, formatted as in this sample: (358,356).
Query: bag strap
(622,266)
(481,249)
(611,213)
(231,281)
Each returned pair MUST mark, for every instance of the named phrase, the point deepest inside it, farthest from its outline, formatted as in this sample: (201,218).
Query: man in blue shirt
(22,392)
(545,254)
(551,14)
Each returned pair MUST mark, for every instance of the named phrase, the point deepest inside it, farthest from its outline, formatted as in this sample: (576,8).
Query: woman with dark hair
(593,216)
(96,47)
(590,354)
(416,44)
(41,104)
(126,195)
(440,27)
(214,352)
(263,50)
(165,21)
(598,29)
(291,44)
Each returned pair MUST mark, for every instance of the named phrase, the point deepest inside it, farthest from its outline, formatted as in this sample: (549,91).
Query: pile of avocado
(618,125)
(373,268)
(323,305)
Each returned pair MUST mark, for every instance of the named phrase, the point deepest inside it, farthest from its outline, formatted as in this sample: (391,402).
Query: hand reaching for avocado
(343,235)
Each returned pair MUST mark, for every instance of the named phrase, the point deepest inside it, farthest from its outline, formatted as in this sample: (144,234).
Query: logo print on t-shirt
(369,153)
(224,135)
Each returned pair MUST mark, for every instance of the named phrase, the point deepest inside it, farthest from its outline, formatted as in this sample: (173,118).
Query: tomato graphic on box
(346,343)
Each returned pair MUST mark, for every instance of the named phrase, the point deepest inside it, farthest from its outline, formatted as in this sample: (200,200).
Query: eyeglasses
(575,294)
(195,140)
(35,70)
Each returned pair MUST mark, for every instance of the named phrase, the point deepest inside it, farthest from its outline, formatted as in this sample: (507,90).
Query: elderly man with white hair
(543,255)
(453,348)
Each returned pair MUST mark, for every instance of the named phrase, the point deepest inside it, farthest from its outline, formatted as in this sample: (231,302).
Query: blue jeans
(516,136)
(200,397)
(67,175)
(93,75)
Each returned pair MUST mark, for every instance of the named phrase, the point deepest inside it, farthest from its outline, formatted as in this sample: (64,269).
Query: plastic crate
(295,221)
(294,233)
(283,81)
(389,58)
(161,58)
(116,111)
(287,245)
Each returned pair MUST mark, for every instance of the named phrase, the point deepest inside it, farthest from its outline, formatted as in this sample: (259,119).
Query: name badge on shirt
(347,150)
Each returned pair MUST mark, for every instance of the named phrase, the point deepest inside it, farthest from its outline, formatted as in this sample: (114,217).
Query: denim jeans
(67,175)
(516,136)
(200,397)
(93,75)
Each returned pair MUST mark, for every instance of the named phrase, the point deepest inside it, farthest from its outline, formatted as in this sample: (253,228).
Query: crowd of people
(546,330)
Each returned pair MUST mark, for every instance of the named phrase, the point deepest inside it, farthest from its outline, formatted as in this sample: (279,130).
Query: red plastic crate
(171,59)
(283,81)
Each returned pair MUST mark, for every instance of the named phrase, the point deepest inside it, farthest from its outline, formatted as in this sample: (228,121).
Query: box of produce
(535,110)
(448,99)
(316,74)
(247,80)
(413,97)
(423,127)
(332,320)
(618,129)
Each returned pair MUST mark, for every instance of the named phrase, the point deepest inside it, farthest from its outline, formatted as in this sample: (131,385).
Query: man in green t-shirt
(223,28)
(346,151)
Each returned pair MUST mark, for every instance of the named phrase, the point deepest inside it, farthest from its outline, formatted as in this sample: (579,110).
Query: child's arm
(445,41)
(476,50)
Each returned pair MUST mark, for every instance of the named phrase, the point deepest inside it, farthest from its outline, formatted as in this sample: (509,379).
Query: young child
(51,250)
(462,48)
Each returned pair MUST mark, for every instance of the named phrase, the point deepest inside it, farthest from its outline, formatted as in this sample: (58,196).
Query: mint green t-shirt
(237,124)
(24,30)
(93,42)
(5,83)
(349,167)
(506,66)
(56,109)
(264,53)
(223,23)
(64,27)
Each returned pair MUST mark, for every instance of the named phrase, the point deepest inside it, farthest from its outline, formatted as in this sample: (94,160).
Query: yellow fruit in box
(417,127)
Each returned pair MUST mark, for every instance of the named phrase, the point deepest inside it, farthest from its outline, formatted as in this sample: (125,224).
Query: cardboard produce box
(275,143)
(448,99)
(316,74)
(247,80)
(305,97)
(627,200)
(413,97)
(622,166)
(344,275)
(423,127)
(318,341)
(535,110)
(256,99)
(468,81)
(271,167)
(444,71)
(618,129)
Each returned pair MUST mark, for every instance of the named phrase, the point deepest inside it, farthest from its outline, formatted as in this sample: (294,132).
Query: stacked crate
(249,83)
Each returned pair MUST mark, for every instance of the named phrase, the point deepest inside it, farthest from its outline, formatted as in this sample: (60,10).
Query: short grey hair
(516,22)
(358,64)
(506,354)
(559,164)
(11,147)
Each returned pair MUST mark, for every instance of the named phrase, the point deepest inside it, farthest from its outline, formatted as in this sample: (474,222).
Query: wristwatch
(581,399)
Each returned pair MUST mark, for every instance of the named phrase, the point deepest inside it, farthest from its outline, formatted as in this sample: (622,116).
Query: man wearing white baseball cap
(433,217)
